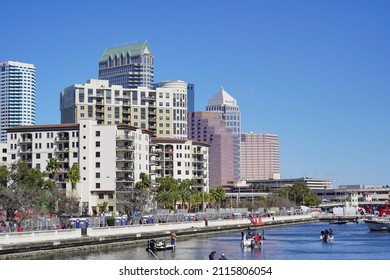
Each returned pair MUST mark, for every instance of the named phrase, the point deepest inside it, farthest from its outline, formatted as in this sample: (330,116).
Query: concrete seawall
(99,238)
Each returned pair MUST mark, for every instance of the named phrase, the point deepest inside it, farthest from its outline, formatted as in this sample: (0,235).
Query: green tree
(52,167)
(185,190)
(167,192)
(73,176)
(23,191)
(218,195)
(142,191)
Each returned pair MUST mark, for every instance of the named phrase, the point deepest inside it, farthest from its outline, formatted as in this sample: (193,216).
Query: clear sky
(317,73)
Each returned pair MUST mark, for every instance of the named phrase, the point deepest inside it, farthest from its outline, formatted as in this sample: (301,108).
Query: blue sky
(317,73)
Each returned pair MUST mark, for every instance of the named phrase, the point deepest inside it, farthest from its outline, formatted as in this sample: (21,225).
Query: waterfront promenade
(42,242)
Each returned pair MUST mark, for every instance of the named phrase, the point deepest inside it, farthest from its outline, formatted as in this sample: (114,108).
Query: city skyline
(316,74)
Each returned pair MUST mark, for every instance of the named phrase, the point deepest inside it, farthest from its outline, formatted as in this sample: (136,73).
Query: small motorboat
(252,239)
(327,235)
(339,221)
(161,245)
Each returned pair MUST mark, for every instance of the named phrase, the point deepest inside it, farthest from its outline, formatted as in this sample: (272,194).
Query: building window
(97,143)
(97,175)
(97,133)
(98,185)
(101,196)
(97,164)
(97,154)
(38,156)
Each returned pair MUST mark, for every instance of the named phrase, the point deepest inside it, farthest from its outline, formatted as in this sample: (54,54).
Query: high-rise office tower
(207,127)
(228,111)
(260,156)
(130,66)
(17,95)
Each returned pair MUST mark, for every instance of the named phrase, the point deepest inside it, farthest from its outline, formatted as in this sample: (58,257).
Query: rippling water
(298,242)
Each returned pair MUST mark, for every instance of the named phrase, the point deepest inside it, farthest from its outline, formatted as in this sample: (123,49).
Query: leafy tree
(299,193)
(23,191)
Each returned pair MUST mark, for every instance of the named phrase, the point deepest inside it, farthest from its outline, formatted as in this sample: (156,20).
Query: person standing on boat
(173,238)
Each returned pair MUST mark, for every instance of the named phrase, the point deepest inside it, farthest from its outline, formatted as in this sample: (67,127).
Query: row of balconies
(125,158)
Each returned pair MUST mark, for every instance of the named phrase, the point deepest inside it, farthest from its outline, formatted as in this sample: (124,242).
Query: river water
(297,242)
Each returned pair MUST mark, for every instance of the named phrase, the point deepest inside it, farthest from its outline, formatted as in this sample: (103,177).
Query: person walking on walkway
(212,255)
(173,238)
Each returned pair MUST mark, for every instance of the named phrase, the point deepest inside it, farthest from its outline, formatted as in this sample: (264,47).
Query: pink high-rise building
(223,152)
(260,156)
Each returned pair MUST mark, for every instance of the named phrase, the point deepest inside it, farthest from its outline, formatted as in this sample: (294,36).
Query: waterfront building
(229,112)
(162,110)
(366,194)
(181,159)
(110,157)
(260,156)
(207,127)
(311,183)
(130,66)
(17,95)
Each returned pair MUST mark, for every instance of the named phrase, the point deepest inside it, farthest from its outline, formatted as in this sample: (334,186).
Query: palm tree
(52,167)
(73,176)
(170,186)
(142,190)
(185,191)
(218,194)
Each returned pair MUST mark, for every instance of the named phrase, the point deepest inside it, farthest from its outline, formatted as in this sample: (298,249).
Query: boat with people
(252,239)
(159,245)
(327,235)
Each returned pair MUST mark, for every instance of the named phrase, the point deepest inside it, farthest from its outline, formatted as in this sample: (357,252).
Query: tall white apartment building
(162,110)
(260,156)
(17,95)
(110,157)
(181,159)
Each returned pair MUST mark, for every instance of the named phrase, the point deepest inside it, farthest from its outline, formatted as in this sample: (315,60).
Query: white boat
(378,224)
(251,243)
(328,239)
(251,238)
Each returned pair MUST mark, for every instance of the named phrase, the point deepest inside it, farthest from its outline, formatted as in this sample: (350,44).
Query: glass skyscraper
(17,95)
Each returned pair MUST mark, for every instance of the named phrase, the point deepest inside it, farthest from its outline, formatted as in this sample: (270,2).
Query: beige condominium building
(110,157)
(162,110)
(181,159)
